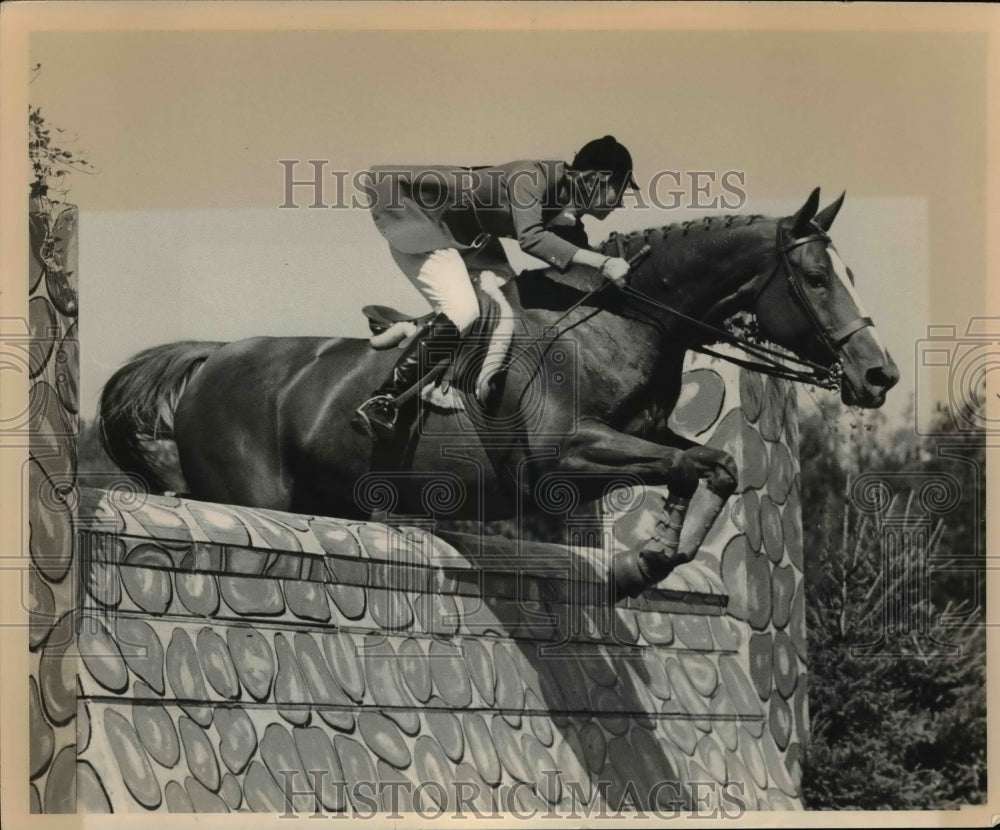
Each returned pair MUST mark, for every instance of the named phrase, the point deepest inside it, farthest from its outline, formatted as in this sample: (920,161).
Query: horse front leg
(719,478)
(677,536)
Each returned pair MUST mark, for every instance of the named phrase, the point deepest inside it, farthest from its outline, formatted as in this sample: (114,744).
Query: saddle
(481,356)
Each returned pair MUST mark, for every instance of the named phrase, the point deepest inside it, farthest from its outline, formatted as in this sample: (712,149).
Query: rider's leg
(443,279)
(377,416)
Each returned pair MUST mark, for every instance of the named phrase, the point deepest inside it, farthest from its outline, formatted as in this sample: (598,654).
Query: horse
(583,401)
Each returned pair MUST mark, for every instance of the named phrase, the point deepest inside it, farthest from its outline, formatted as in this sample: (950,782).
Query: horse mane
(682,228)
(538,288)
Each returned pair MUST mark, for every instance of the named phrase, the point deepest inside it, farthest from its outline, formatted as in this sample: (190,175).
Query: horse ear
(801,221)
(826,216)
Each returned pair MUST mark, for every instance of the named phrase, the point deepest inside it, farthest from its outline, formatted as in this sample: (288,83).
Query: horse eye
(816,277)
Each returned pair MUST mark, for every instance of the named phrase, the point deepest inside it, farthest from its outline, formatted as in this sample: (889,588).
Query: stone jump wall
(222,649)
(197,657)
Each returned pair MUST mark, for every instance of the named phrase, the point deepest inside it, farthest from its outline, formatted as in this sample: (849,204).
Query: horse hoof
(626,576)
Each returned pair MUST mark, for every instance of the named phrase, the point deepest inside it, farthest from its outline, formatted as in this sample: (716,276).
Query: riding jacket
(424,209)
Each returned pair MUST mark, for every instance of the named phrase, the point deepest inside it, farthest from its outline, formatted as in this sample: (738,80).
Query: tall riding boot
(377,416)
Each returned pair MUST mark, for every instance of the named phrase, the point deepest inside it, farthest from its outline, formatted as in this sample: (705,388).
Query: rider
(436,219)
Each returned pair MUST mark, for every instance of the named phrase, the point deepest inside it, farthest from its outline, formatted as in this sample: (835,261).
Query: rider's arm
(526,191)
(586,257)
(612,268)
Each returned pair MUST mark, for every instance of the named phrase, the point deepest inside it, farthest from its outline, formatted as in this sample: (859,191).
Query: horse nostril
(883,377)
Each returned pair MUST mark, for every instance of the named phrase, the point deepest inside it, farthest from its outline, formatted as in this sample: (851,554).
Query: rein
(768,361)
(765,360)
(775,363)
(827,377)
(553,332)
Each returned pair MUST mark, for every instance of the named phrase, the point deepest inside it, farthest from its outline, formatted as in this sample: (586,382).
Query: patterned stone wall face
(762,568)
(227,652)
(52,424)
(753,556)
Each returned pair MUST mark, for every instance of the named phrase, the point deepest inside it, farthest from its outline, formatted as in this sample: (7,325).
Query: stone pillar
(52,424)
(752,557)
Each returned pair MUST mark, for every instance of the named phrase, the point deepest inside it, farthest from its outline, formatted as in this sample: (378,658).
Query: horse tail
(135,418)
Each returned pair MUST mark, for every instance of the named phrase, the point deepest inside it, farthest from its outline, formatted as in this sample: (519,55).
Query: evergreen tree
(901,724)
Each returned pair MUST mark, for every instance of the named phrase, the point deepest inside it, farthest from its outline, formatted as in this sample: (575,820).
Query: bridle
(776,363)
(832,340)
(767,360)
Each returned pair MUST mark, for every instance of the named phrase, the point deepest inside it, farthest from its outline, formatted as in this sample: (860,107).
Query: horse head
(809,305)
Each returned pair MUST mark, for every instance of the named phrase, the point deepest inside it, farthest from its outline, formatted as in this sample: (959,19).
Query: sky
(182,236)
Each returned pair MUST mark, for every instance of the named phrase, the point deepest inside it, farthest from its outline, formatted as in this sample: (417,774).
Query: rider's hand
(615,269)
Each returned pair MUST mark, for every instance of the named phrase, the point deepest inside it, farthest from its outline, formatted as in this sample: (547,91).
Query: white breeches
(443,279)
